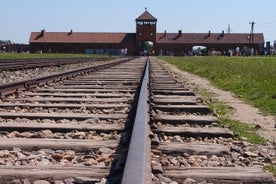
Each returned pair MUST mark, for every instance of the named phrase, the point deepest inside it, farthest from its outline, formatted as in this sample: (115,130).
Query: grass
(251,78)
(271,168)
(27,55)
(219,108)
(241,131)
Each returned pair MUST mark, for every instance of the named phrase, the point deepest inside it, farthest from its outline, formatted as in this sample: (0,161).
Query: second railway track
(70,129)
(80,131)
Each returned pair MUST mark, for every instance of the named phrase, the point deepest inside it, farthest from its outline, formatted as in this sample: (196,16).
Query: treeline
(8,46)
(5,42)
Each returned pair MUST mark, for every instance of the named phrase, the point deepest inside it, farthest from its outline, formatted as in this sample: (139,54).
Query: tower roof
(146,16)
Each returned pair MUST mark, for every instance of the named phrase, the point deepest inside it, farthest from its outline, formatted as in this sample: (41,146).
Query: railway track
(116,125)
(16,64)
(71,128)
(22,69)
(188,145)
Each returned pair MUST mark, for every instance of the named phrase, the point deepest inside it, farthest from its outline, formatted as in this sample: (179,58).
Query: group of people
(244,51)
(124,52)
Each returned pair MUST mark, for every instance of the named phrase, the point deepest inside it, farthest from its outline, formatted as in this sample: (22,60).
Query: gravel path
(243,112)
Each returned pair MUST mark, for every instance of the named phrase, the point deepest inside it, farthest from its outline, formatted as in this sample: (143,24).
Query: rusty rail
(13,87)
(137,169)
(15,64)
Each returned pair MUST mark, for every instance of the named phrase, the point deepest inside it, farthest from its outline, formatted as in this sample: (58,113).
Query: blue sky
(21,17)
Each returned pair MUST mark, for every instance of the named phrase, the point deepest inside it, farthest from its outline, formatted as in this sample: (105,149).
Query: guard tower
(146,28)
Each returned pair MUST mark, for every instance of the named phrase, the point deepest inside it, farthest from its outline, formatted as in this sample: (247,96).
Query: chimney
(71,32)
(165,33)
(42,32)
(222,34)
(209,33)
(179,33)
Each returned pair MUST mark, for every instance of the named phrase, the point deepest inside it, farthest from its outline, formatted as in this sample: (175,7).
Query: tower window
(151,34)
(140,23)
(140,34)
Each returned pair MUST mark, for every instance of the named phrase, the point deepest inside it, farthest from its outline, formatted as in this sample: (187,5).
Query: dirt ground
(242,111)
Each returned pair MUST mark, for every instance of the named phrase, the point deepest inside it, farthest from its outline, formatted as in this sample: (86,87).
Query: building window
(140,23)
(140,34)
(151,34)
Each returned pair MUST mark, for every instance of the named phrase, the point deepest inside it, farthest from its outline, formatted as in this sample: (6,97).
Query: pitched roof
(81,37)
(146,16)
(205,38)
(108,38)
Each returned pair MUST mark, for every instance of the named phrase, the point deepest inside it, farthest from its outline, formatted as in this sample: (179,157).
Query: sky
(21,17)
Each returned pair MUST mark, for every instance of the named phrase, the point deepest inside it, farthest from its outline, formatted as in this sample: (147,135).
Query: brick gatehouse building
(163,43)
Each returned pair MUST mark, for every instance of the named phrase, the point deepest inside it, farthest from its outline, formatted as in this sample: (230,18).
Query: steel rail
(137,169)
(10,88)
(15,64)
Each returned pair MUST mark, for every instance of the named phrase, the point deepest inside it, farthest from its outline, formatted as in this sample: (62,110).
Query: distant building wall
(81,48)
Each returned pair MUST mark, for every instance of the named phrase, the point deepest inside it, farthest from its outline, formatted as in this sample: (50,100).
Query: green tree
(146,45)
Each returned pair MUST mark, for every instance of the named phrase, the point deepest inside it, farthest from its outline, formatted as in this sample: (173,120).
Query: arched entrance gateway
(199,50)
(146,48)
(145,39)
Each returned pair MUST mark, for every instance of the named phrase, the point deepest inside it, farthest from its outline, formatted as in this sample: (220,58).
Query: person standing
(251,51)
